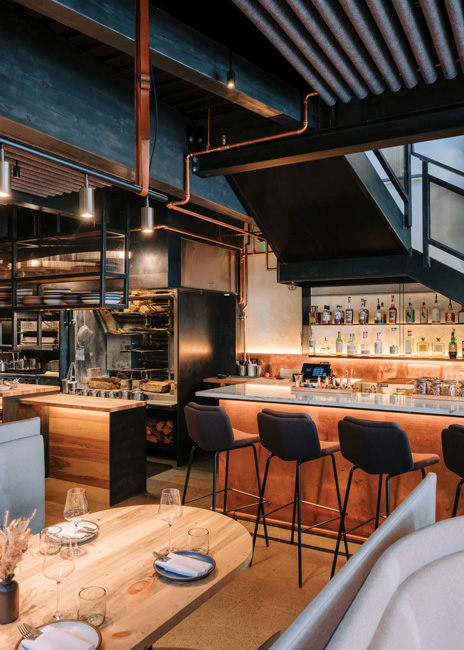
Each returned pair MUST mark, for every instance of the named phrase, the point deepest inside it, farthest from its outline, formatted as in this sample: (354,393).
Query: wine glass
(75,509)
(170,510)
(58,564)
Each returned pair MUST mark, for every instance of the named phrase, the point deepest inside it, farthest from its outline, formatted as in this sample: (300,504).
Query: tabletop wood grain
(84,402)
(141,606)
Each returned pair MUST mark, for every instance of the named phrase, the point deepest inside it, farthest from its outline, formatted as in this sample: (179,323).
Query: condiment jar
(436,387)
(420,386)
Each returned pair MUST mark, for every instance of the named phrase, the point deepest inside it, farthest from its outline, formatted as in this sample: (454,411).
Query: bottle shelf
(366,357)
(382,324)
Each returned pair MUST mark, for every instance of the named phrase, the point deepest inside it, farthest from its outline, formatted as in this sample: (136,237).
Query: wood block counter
(93,440)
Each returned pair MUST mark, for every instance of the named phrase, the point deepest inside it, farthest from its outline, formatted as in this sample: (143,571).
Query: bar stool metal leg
(298,484)
(226,481)
(259,492)
(342,522)
(215,479)
(261,503)
(192,452)
(456,498)
(295,497)
(379,496)
(339,501)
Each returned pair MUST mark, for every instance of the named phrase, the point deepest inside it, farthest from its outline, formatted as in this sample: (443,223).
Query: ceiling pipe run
(391,30)
(367,31)
(289,51)
(417,38)
(437,28)
(294,29)
(456,16)
(142,95)
(326,41)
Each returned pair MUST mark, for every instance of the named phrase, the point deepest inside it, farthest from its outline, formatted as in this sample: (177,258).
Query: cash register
(313,371)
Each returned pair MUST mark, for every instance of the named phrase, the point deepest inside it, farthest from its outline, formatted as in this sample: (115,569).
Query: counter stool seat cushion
(424,460)
(243,439)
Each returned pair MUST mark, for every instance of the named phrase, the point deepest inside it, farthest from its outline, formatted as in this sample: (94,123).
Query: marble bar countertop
(282,394)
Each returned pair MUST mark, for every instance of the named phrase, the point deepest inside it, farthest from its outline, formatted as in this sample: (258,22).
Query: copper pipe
(269,268)
(191,234)
(174,205)
(241,231)
(142,96)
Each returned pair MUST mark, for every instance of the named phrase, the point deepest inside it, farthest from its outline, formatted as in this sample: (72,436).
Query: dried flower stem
(14,538)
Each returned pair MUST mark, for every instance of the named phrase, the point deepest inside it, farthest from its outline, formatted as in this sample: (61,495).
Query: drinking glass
(75,509)
(170,509)
(58,564)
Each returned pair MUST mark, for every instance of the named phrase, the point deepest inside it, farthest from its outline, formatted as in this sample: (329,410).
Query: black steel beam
(438,276)
(180,50)
(354,129)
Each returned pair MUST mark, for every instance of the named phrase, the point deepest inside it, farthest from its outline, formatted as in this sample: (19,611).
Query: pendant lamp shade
(86,200)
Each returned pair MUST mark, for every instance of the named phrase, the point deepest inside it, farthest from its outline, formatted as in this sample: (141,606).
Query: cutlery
(160,556)
(29,632)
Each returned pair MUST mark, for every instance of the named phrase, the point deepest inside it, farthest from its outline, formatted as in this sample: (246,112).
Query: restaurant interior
(225,227)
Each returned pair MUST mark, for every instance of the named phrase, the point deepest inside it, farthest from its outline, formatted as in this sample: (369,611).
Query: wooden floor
(262,600)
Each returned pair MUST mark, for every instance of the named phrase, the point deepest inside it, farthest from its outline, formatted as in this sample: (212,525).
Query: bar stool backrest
(209,427)
(375,447)
(289,436)
(452,440)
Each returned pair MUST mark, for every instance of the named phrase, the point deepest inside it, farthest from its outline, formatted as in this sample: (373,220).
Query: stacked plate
(21,293)
(54,297)
(32,301)
(111,298)
(5,297)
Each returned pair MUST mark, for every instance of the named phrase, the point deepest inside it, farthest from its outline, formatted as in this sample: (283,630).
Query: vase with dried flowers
(14,538)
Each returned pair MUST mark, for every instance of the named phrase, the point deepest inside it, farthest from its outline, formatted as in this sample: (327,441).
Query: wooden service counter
(90,440)
(422,419)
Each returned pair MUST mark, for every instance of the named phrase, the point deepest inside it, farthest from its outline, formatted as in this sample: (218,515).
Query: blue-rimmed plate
(193,554)
(81,629)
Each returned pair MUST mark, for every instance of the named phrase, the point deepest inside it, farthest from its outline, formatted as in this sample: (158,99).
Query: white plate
(90,302)
(67,527)
(4,388)
(83,630)
(53,301)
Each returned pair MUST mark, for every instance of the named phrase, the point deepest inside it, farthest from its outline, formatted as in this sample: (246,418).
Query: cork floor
(263,599)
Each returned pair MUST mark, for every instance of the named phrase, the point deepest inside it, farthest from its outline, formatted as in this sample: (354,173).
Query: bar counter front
(423,420)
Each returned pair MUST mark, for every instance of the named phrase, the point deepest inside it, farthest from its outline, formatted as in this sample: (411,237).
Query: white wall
(273,313)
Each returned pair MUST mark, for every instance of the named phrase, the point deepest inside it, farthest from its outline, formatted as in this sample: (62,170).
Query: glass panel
(395,158)
(5,260)
(446,221)
(59,255)
(115,252)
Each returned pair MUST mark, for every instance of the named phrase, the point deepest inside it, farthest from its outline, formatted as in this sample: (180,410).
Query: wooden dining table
(141,605)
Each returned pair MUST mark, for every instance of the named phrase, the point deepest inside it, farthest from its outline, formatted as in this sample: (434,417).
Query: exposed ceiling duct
(352,48)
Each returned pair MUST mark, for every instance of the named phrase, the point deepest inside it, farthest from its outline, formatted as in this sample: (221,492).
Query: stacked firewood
(160,430)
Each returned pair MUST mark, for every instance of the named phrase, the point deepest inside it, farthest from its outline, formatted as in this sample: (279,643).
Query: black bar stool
(210,429)
(377,448)
(293,437)
(452,440)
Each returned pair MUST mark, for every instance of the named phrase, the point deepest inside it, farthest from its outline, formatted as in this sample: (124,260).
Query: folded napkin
(183,565)
(54,638)
(67,529)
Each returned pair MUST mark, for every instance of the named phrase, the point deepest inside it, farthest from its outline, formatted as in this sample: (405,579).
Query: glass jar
(420,386)
(436,387)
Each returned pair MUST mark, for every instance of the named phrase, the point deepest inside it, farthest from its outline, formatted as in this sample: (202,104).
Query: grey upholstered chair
(377,448)
(22,471)
(293,437)
(452,440)
(210,429)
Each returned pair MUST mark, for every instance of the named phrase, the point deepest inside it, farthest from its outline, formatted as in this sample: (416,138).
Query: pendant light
(5,174)
(147,218)
(86,200)
(230,73)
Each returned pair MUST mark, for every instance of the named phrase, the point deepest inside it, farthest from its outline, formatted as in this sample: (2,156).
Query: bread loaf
(156,386)
(105,383)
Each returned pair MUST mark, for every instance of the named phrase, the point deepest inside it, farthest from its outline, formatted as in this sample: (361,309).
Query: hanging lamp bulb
(147,218)
(5,174)
(86,200)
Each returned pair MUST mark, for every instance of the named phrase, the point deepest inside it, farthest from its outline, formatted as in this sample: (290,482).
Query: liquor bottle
(452,347)
(339,315)
(410,313)
(450,315)
(393,346)
(461,315)
(349,312)
(313,315)
(436,317)
(378,345)
(423,348)
(363,314)
(312,343)
(424,313)
(339,345)
(409,345)
(438,349)
(384,313)
(326,347)
(392,312)
(351,346)
(327,316)
(365,346)
(378,313)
